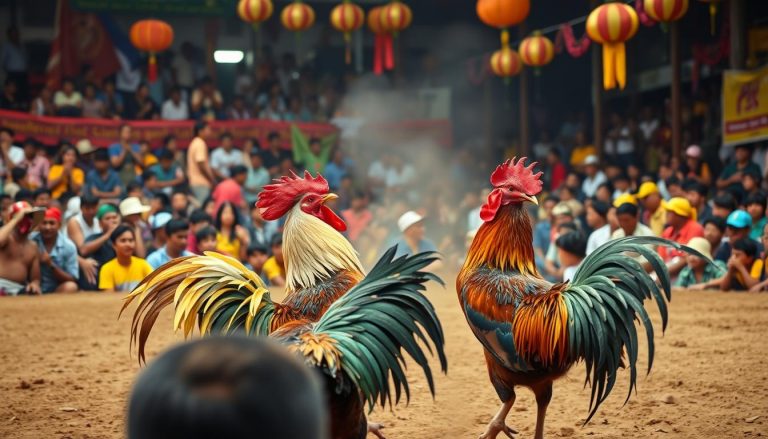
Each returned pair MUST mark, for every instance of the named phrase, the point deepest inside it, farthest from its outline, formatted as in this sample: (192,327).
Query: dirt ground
(67,371)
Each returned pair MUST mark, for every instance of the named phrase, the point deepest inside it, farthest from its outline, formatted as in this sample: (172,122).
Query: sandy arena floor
(67,371)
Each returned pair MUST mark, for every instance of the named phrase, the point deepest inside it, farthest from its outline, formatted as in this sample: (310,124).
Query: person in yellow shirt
(274,268)
(581,150)
(66,177)
(655,216)
(125,271)
(147,158)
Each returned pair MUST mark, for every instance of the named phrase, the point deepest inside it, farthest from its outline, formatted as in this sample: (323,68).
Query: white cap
(408,219)
(591,160)
(131,206)
(159,220)
(84,146)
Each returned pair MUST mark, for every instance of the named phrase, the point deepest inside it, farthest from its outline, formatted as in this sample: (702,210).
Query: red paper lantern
(297,17)
(537,50)
(665,10)
(374,20)
(347,18)
(611,25)
(503,13)
(255,12)
(396,17)
(151,36)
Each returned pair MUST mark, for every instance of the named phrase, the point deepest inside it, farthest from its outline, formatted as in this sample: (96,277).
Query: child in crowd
(744,268)
(755,204)
(125,271)
(763,285)
(198,220)
(699,272)
(571,250)
(257,256)
(274,267)
(206,240)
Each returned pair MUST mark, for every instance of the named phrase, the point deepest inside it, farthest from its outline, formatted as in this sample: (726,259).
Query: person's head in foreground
(227,387)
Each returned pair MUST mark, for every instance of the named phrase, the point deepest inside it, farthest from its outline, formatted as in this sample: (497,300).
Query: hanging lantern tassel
(712,17)
(624,20)
(152,68)
(614,65)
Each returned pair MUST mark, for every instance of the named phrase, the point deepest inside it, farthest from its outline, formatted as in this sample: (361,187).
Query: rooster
(217,294)
(533,331)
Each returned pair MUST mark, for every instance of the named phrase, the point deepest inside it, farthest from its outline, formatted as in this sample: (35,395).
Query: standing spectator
(542,147)
(571,250)
(231,238)
(206,102)
(258,176)
(312,155)
(225,157)
(339,167)
(37,165)
(597,219)
(594,176)
(555,170)
(648,125)
(42,105)
(694,167)
(113,101)
(261,231)
(274,267)
(275,154)
(19,259)
(755,205)
(629,222)
(699,272)
(654,215)
(198,220)
(238,111)
(714,230)
(184,68)
(174,108)
(13,59)
(68,101)
(682,226)
(731,176)
(92,105)
(84,223)
(696,193)
(167,174)
(102,181)
(201,178)
(125,156)
(738,226)
(358,216)
(141,106)
(65,178)
(125,271)
(176,231)
(58,255)
(231,189)
(9,99)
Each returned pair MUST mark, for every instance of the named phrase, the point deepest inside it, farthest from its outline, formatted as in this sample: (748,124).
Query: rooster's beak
(329,197)
(532,199)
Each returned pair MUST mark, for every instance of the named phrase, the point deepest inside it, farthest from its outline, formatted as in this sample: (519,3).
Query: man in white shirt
(628,217)
(225,156)
(599,216)
(594,176)
(174,108)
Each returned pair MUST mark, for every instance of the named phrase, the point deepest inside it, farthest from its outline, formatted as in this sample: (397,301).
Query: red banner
(104,132)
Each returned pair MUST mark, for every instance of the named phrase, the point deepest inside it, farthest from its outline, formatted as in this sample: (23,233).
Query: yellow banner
(745,106)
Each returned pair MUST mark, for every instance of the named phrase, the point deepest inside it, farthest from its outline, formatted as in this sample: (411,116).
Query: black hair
(313,140)
(718,222)
(606,185)
(672,181)
(199,126)
(18,173)
(41,191)
(148,175)
(277,240)
(132,186)
(758,197)
(273,135)
(747,245)
(167,139)
(220,213)
(695,186)
(165,201)
(24,195)
(101,155)
(225,135)
(198,216)
(754,174)
(552,197)
(165,154)
(119,230)
(204,233)
(601,207)
(176,225)
(237,170)
(5,196)
(725,200)
(31,141)
(227,387)
(627,209)
(89,200)
(178,190)
(256,248)
(622,176)
(573,242)
(570,226)
(7,130)
(555,152)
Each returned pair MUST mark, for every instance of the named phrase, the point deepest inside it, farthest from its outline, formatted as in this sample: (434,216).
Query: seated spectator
(694,168)
(175,108)
(42,105)
(19,258)
(338,168)
(147,158)
(553,268)
(232,239)
(738,226)
(18,182)
(113,101)
(714,231)
(752,181)
(157,223)
(258,176)
(674,187)
(358,216)
(141,106)
(158,202)
(132,211)
(65,178)
(542,231)
(274,155)
(257,255)
(764,283)
(413,241)
(125,271)
(744,267)
(102,181)
(10,154)
(699,272)
(238,110)
(755,205)
(167,173)
(58,255)
(731,176)
(68,101)
(231,386)
(180,205)
(593,178)
(9,99)
(696,193)
(206,240)
(620,185)
(723,205)
(42,198)
(629,222)
(272,111)
(125,155)
(83,223)
(682,226)
(92,105)
(170,143)
(206,102)
(198,220)
(604,193)
(225,157)
(176,231)
(654,215)
(598,214)
(274,267)
(581,151)
(296,111)
(261,230)
(36,165)
(97,246)
(571,250)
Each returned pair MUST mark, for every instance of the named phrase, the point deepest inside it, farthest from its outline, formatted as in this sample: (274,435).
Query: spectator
(20,267)
(176,231)
(103,182)
(654,215)
(599,215)
(157,223)
(238,111)
(555,170)
(58,255)
(411,225)
(232,238)
(764,282)
(65,178)
(620,185)
(296,112)
(698,271)
(620,141)
(11,154)
(312,156)
(113,101)
(225,157)
(542,147)
(170,143)
(400,175)
(273,110)
(201,178)
(68,101)
(738,226)
(682,226)
(358,216)
(13,59)
(42,105)
(42,197)
(542,231)
(179,204)
(97,246)
(184,69)
(648,125)
(198,220)
(581,151)
(206,240)
(232,386)
(206,102)
(552,265)
(751,180)
(84,222)
(674,186)
(594,176)
(755,205)
(339,167)
(731,176)
(174,108)
(36,164)
(275,154)
(261,230)
(571,250)
(694,167)
(744,267)
(92,105)
(258,176)
(257,255)
(231,189)
(125,271)
(167,173)
(125,156)
(723,205)
(714,230)
(274,267)
(85,152)
(131,210)
(9,99)
(696,193)
(629,222)
(141,106)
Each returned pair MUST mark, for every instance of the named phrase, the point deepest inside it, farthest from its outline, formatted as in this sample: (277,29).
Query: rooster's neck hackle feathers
(314,251)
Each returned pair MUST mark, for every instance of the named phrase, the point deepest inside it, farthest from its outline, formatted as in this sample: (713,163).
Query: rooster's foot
(376,428)
(495,427)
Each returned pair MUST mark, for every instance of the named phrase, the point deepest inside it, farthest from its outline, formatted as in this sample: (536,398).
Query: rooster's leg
(498,423)
(543,396)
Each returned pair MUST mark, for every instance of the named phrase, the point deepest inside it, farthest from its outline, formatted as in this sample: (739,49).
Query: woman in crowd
(232,238)
(65,178)
(125,271)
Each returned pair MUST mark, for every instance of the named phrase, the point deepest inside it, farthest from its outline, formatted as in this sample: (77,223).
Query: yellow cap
(624,198)
(680,206)
(646,189)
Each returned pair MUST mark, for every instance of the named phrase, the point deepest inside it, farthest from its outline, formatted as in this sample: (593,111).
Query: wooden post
(525,147)
(675,104)
(738,34)
(597,92)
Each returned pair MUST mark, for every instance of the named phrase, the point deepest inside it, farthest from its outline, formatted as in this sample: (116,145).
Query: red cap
(53,213)
(18,207)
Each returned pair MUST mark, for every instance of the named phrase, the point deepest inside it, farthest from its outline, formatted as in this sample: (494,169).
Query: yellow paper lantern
(611,25)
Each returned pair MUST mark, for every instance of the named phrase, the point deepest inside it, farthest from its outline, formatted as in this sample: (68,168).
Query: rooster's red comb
(513,173)
(277,198)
